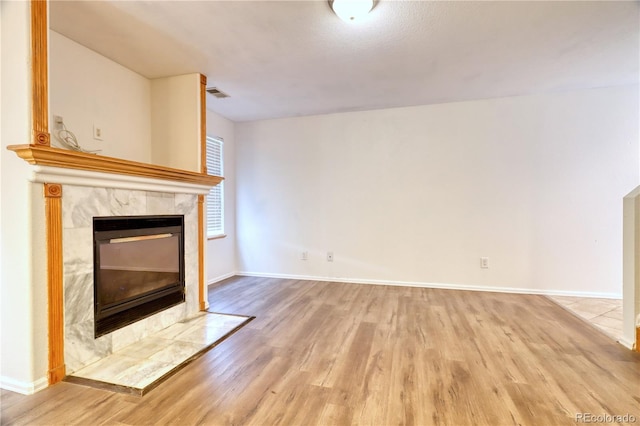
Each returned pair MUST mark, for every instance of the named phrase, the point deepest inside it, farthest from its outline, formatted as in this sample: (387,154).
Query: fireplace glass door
(139,268)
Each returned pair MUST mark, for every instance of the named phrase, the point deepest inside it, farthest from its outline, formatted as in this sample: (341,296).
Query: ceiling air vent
(217,93)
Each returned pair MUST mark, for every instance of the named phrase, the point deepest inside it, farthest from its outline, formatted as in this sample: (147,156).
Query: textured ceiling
(290,58)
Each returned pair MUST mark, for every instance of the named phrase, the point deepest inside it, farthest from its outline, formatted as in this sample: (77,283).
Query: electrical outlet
(304,255)
(484,262)
(97,133)
(329,256)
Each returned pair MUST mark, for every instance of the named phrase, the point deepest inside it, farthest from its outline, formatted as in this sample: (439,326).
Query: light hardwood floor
(339,354)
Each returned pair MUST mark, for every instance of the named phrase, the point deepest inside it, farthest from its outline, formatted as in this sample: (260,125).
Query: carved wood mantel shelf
(51,160)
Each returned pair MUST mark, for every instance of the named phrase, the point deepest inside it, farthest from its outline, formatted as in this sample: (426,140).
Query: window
(215,199)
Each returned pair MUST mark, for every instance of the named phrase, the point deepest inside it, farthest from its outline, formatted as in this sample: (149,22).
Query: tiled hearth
(141,366)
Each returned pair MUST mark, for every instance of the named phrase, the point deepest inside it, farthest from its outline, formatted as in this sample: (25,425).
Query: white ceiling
(291,58)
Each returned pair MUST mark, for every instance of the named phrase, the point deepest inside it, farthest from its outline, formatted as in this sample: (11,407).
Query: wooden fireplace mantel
(42,155)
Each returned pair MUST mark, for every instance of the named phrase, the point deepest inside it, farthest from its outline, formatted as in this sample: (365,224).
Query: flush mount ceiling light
(351,10)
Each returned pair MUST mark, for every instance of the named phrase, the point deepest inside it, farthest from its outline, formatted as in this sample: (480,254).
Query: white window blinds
(215,199)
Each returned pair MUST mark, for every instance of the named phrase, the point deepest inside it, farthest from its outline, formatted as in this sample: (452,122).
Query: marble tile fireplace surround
(80,204)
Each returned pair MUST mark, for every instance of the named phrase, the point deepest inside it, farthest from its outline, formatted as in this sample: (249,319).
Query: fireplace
(138,268)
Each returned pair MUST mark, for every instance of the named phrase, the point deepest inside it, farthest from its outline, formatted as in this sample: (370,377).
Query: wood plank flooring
(339,354)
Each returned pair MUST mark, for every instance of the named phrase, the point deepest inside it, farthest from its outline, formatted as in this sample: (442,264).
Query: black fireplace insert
(138,268)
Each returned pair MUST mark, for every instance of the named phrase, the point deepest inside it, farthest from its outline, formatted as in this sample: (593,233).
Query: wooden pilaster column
(202,279)
(39,74)
(53,212)
(202,296)
(203,124)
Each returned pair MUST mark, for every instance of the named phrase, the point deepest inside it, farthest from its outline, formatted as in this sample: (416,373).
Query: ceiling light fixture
(351,10)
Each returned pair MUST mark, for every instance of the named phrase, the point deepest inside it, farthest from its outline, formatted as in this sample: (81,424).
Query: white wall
(419,194)
(87,89)
(221,252)
(23,294)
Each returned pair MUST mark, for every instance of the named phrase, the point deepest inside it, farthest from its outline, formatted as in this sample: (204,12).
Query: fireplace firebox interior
(138,268)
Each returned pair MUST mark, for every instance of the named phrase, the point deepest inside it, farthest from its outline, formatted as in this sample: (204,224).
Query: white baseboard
(221,277)
(469,287)
(25,388)
(627,343)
